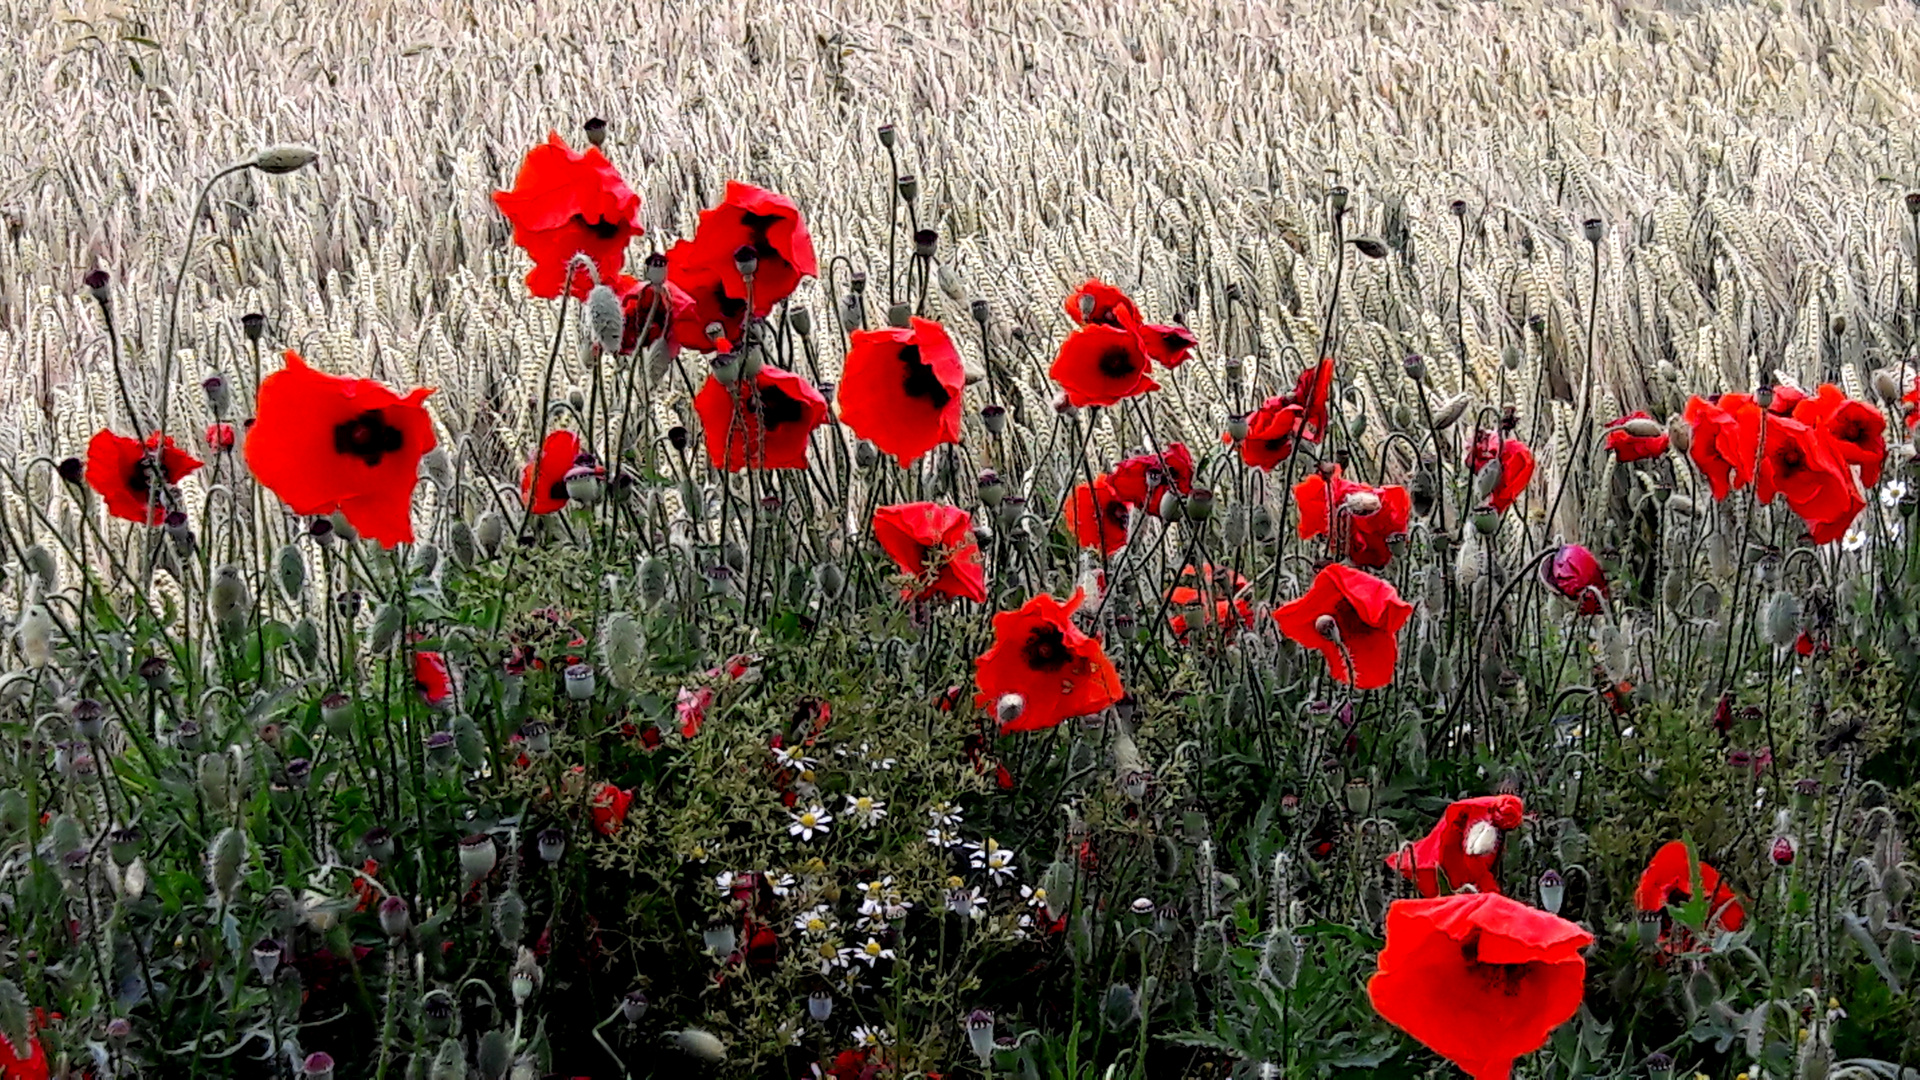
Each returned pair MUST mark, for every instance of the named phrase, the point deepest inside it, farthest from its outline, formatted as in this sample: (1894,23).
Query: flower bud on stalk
(606,322)
(225,857)
(219,395)
(395,918)
(40,564)
(477,856)
(490,529)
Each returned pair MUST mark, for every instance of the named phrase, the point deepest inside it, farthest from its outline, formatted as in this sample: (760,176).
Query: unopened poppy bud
(1009,707)
(1199,504)
(1679,434)
(219,396)
(230,596)
(1913,203)
(1782,619)
(991,488)
(1641,427)
(579,681)
(924,243)
(725,368)
(994,418)
(1337,198)
(865,456)
(343,528)
(395,918)
(490,530)
(477,856)
(98,282)
(225,857)
(606,322)
(284,158)
(1370,246)
(1237,427)
(1263,524)
(1450,411)
(1362,503)
(73,471)
(1886,386)
(1553,891)
(1327,628)
(899,315)
(253,325)
(1593,229)
(266,958)
(1416,367)
(909,187)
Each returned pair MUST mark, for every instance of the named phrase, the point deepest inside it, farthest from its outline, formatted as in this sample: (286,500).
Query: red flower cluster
(762,424)
(122,472)
(1041,659)
(1464,844)
(751,227)
(609,808)
(1098,516)
(1280,420)
(1802,447)
(934,546)
(1144,479)
(1354,619)
(1097,303)
(1226,588)
(1357,519)
(565,203)
(324,443)
(1516,466)
(901,387)
(1478,978)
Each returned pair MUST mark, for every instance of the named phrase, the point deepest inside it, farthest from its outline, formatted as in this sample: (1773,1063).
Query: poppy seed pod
(994,418)
(980,311)
(89,719)
(1553,891)
(596,130)
(97,282)
(378,844)
(266,958)
(1337,198)
(299,771)
(747,261)
(991,488)
(395,918)
(725,368)
(579,681)
(1199,504)
(1237,427)
(225,857)
(979,1025)
(909,187)
(924,243)
(284,158)
(1913,203)
(800,321)
(440,750)
(337,712)
(126,844)
(1593,230)
(585,484)
(552,844)
(477,856)
(219,395)
(1458,208)
(253,325)
(1415,366)
(899,316)
(436,1008)
(73,471)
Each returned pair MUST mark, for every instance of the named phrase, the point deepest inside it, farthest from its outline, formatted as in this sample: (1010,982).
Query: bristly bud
(343,528)
(1009,708)
(253,325)
(490,529)
(284,158)
(606,322)
(1327,628)
(1782,619)
(909,187)
(596,130)
(461,544)
(510,917)
(225,857)
(701,1045)
(99,283)
(450,1063)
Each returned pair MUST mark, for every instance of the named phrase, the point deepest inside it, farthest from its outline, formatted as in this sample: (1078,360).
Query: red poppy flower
(565,203)
(1109,306)
(546,491)
(1856,431)
(1101,365)
(1225,587)
(1144,479)
(767,224)
(121,471)
(1349,613)
(1039,655)
(1167,344)
(901,387)
(933,545)
(609,807)
(1668,880)
(1358,519)
(431,678)
(763,425)
(221,437)
(1464,844)
(704,285)
(1311,391)
(1628,446)
(28,1062)
(1478,978)
(1098,516)
(652,311)
(690,708)
(1786,400)
(1574,573)
(1270,433)
(323,443)
(1516,466)
(1799,462)
(1726,438)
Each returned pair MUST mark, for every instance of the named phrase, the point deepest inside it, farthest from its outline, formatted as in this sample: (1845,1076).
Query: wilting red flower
(1668,879)
(763,425)
(1225,587)
(1102,365)
(933,545)
(545,490)
(1039,655)
(1271,430)
(652,311)
(1799,462)
(122,471)
(1464,844)
(609,807)
(1574,573)
(1358,519)
(1726,439)
(1478,978)
(221,437)
(1349,613)
(690,708)
(1144,479)
(1856,431)
(703,284)
(1516,465)
(1627,446)
(323,443)
(431,678)
(769,226)
(1098,516)
(901,387)
(1168,344)
(1111,307)
(565,203)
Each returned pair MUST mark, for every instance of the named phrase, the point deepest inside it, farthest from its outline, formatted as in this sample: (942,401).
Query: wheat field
(1747,161)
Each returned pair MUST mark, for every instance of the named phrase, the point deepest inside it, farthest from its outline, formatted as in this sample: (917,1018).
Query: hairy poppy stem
(179,283)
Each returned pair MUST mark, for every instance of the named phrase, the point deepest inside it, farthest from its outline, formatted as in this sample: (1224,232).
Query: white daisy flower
(967,903)
(792,758)
(1034,895)
(945,815)
(997,861)
(806,823)
(1891,492)
(868,1037)
(815,923)
(1854,539)
(831,955)
(941,838)
(782,883)
(723,881)
(873,952)
(867,809)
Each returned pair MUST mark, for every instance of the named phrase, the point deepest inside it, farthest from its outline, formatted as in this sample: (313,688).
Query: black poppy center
(1850,430)
(758,225)
(920,380)
(1507,979)
(1046,649)
(1116,513)
(1790,460)
(368,437)
(602,228)
(1117,363)
(141,477)
(777,408)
